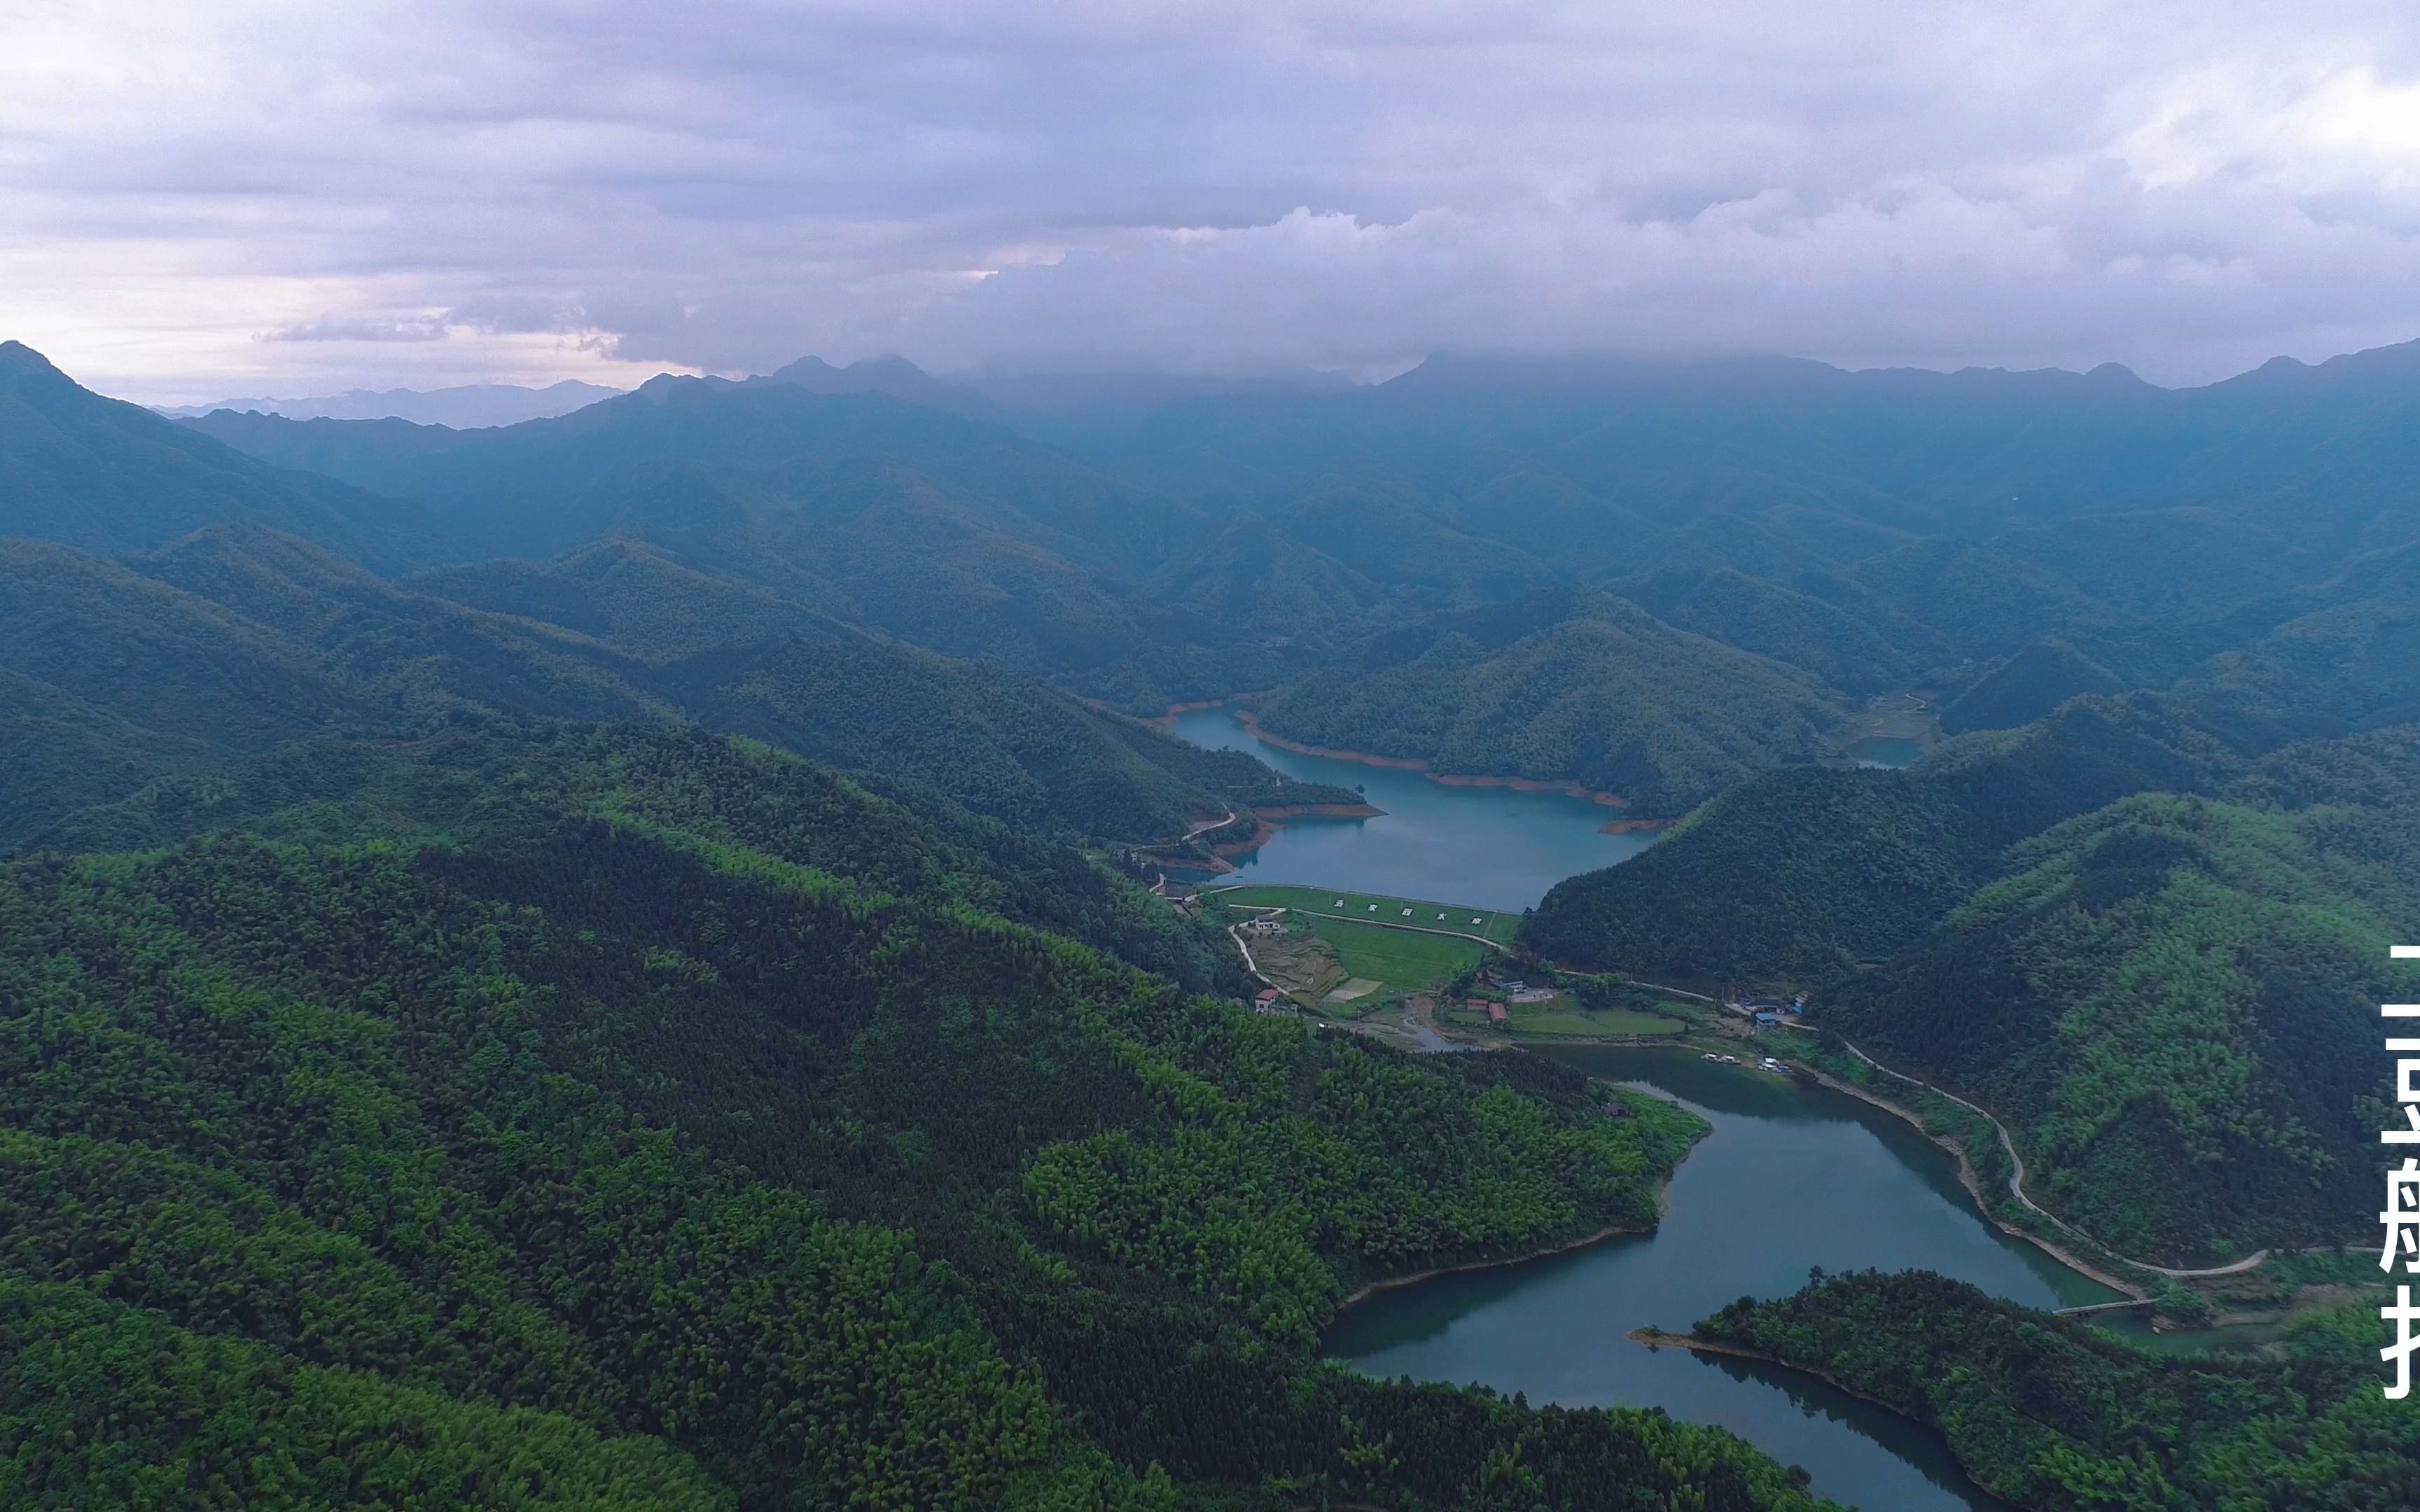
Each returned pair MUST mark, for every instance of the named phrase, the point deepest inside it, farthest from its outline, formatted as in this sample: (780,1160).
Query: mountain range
(465,408)
(611,952)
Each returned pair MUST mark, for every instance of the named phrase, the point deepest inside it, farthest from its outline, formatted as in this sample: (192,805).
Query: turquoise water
(1792,1177)
(1489,847)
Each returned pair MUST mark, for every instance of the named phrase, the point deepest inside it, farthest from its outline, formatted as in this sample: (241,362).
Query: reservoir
(1488,847)
(1792,1177)
(1885,750)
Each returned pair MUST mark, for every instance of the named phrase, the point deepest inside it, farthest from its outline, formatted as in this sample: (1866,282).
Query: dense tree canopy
(2058,1418)
(625,1115)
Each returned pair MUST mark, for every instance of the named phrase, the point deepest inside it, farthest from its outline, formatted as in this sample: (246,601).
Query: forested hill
(2055,1416)
(500,782)
(226,643)
(2170,999)
(1578,685)
(677,1126)
(1800,874)
(2173,1004)
(110,476)
(2019,538)
(956,535)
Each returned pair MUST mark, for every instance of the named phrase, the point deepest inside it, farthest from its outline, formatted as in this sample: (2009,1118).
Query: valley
(1794,1180)
(1790,1177)
(754,892)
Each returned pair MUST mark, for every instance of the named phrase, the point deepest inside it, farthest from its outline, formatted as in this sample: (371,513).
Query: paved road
(1219,823)
(2017,1184)
(2016,1162)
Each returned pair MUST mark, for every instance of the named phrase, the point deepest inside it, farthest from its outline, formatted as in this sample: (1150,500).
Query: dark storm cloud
(465,190)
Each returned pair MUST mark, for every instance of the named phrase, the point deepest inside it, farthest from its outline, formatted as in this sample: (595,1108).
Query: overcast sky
(248,197)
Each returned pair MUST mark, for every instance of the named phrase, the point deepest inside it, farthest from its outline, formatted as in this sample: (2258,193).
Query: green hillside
(114,679)
(109,476)
(1843,647)
(2173,1004)
(1004,747)
(2026,687)
(952,533)
(1796,874)
(638,596)
(2050,1415)
(483,783)
(659,1152)
(1846,533)
(1583,687)
(237,638)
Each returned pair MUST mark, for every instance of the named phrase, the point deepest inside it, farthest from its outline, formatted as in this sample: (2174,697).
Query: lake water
(1885,750)
(1489,847)
(1792,1177)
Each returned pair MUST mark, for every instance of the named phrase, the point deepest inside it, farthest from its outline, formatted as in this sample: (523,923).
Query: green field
(1493,925)
(1566,1018)
(1369,935)
(1405,962)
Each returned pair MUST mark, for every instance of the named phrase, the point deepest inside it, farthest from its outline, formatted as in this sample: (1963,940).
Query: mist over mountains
(464,407)
(738,800)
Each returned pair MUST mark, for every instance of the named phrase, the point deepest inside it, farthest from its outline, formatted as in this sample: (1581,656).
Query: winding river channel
(1792,1177)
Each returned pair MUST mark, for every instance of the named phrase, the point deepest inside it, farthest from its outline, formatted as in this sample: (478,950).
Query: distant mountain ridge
(237,640)
(1864,531)
(463,408)
(109,476)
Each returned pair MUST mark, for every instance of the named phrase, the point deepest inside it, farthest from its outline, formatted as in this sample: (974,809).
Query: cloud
(449,191)
(429,329)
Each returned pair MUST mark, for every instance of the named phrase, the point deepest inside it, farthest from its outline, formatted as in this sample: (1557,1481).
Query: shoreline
(1974,1185)
(1655,1338)
(1263,832)
(1250,720)
(1956,1148)
(1168,715)
(1265,827)
(1396,1283)
(1323,811)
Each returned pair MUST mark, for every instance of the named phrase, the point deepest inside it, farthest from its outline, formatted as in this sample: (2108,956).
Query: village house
(1269,924)
(1269,1001)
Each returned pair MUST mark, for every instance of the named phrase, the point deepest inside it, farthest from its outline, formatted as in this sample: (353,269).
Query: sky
(251,196)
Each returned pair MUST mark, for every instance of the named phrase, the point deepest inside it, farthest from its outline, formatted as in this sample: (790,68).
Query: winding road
(2017,1184)
(1219,823)
(2016,1162)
